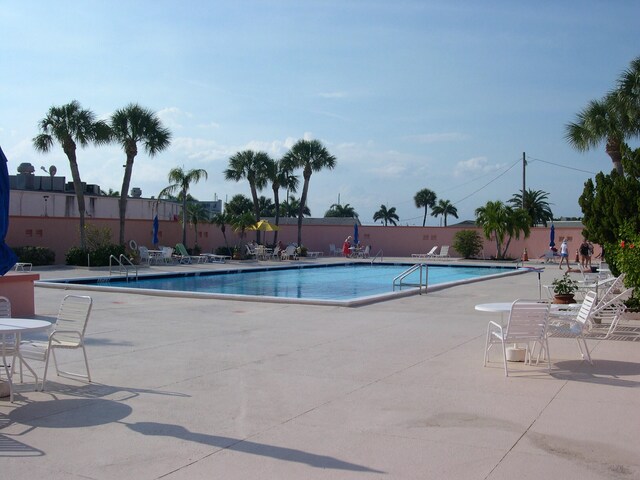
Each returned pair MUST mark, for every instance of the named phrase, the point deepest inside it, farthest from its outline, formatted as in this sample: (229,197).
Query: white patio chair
(577,326)
(167,255)
(68,333)
(289,253)
(332,250)
(7,343)
(527,324)
(145,257)
(609,309)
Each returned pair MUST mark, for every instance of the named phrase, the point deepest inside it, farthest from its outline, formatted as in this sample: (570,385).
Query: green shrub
(97,258)
(35,255)
(468,243)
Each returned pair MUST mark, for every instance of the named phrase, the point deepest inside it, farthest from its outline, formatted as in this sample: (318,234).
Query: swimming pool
(343,284)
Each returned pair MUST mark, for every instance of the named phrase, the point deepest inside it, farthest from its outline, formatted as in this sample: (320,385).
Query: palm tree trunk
(276,201)
(424,219)
(303,202)
(184,217)
(126,181)
(613,150)
(70,150)
(256,207)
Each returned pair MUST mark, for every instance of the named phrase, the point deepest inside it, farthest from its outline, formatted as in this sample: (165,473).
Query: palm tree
(240,224)
(614,119)
(537,206)
(311,156)
(629,90)
(196,213)
(180,181)
(425,198)
(71,125)
(602,120)
(253,167)
(221,220)
(266,207)
(238,205)
(503,222)
(386,215)
(291,208)
(444,208)
(279,177)
(343,211)
(130,125)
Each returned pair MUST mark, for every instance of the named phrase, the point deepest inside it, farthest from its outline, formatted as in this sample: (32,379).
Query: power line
(488,183)
(562,166)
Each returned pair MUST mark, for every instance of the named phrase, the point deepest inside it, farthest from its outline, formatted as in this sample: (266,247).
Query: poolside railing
(380,255)
(121,262)
(424,278)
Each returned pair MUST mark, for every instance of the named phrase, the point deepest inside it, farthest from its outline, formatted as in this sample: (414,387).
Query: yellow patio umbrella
(264,226)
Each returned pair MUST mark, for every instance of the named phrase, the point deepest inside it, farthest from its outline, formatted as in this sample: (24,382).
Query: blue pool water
(341,283)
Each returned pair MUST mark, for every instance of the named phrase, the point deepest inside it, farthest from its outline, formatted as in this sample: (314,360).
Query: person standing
(584,253)
(564,252)
(346,247)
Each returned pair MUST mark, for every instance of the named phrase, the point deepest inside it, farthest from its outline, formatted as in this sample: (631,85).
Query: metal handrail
(381,254)
(398,280)
(121,265)
(123,258)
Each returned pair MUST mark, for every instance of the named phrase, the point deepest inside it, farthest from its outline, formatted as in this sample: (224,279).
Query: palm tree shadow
(239,445)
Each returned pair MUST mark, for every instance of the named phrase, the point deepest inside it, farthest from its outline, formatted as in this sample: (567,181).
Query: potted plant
(564,288)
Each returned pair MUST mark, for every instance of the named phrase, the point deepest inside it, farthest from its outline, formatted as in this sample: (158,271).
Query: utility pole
(524,175)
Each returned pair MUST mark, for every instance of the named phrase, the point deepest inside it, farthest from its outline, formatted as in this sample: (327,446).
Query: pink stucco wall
(61,233)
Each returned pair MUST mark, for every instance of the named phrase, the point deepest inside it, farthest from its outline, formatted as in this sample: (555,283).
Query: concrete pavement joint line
(527,429)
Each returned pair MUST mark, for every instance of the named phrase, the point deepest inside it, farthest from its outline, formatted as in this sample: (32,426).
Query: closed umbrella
(156,227)
(7,257)
(552,236)
(356,240)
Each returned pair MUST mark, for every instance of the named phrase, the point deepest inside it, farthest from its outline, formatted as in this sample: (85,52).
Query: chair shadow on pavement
(604,372)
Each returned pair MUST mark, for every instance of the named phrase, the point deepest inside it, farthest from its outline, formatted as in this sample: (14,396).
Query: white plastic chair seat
(527,324)
(68,333)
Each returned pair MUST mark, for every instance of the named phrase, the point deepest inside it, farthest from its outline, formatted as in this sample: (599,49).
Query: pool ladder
(379,255)
(424,278)
(122,262)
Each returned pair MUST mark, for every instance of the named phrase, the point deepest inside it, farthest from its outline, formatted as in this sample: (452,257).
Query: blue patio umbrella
(156,226)
(552,236)
(356,241)
(7,258)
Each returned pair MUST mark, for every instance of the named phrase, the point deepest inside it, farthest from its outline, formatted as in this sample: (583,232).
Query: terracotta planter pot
(564,299)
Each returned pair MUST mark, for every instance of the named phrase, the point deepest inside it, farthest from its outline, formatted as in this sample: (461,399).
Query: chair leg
(86,363)
(46,368)
(504,359)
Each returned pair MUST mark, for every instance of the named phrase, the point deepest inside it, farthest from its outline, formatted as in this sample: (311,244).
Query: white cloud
(210,125)
(171,116)
(477,165)
(438,137)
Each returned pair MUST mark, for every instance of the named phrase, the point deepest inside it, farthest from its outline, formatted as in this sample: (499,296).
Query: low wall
(60,234)
(19,289)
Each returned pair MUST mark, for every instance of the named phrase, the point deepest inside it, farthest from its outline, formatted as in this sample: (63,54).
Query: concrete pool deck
(203,389)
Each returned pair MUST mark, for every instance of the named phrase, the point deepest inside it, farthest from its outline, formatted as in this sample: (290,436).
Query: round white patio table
(17,326)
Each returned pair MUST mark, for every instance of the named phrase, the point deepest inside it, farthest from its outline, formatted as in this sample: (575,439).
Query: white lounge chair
(68,333)
(444,252)
(527,324)
(429,254)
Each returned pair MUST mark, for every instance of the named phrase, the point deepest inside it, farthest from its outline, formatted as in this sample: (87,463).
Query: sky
(445,95)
